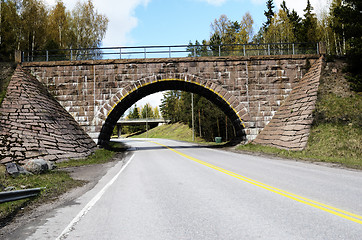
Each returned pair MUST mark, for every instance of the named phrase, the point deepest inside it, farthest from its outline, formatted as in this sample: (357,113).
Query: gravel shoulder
(91,174)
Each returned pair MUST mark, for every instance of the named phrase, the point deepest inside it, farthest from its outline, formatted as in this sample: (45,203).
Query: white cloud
(121,15)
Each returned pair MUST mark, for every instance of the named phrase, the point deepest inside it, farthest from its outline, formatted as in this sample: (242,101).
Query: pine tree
(309,25)
(134,113)
(295,20)
(269,14)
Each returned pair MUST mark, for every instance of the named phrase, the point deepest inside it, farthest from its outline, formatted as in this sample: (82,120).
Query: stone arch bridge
(249,90)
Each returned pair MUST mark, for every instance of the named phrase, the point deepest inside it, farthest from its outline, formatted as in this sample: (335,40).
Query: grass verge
(98,157)
(55,182)
(176,131)
(328,142)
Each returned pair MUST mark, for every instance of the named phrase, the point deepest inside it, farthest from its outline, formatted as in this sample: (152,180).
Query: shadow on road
(122,145)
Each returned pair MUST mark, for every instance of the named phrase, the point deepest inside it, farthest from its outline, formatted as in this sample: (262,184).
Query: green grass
(332,108)
(330,143)
(177,131)
(336,135)
(98,157)
(55,182)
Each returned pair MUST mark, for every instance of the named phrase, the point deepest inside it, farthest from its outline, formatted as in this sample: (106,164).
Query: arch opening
(170,84)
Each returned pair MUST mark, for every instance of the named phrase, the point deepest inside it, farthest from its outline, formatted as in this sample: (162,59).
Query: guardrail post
(169,52)
(71,55)
(293,48)
(120,53)
(219,50)
(145,52)
(268,49)
(47,55)
(244,49)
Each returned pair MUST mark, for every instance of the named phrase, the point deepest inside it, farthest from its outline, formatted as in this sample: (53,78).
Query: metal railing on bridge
(139,121)
(175,51)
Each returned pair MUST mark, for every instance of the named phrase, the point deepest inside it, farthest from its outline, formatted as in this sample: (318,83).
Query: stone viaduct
(249,90)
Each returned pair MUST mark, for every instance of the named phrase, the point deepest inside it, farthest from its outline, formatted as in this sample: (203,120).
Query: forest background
(30,25)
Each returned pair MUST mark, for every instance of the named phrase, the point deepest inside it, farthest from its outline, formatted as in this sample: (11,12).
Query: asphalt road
(189,192)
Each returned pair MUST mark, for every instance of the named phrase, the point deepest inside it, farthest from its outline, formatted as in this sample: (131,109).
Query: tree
(220,26)
(87,25)
(10,24)
(87,29)
(350,17)
(280,29)
(197,49)
(269,13)
(147,111)
(156,113)
(210,120)
(59,20)
(133,114)
(170,106)
(295,20)
(28,25)
(333,40)
(246,28)
(33,25)
(309,25)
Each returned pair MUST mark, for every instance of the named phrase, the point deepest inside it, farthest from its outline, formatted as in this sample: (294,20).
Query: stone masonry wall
(254,86)
(290,126)
(34,125)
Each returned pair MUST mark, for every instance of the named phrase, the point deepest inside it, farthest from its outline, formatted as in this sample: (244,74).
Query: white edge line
(90,204)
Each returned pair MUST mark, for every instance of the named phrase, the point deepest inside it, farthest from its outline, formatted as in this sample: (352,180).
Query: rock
(51,165)
(12,169)
(36,166)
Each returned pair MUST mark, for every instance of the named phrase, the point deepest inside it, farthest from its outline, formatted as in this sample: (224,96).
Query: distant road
(177,190)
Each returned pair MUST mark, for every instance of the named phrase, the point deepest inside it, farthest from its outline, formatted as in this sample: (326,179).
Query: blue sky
(176,22)
(172,22)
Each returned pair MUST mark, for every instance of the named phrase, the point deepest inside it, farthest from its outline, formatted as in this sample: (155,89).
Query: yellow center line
(338,212)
